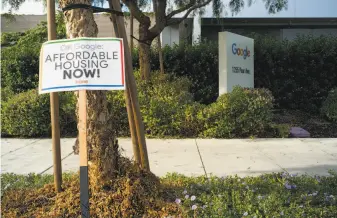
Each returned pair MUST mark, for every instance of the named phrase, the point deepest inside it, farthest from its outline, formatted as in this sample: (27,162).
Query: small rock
(298,132)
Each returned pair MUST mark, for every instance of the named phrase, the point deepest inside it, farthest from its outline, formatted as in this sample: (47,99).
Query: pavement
(191,157)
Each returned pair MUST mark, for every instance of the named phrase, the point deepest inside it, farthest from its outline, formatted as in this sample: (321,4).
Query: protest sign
(82,64)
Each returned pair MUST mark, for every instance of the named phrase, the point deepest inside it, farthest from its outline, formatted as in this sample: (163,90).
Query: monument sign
(236,62)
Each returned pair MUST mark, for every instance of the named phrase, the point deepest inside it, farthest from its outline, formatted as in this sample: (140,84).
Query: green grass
(10,181)
(265,196)
(269,195)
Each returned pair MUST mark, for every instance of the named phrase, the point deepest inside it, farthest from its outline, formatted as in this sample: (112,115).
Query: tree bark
(144,45)
(159,13)
(144,60)
(161,59)
(102,143)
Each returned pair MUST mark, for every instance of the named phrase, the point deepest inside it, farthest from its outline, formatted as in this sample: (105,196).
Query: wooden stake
(84,179)
(131,83)
(131,32)
(129,109)
(54,106)
(134,138)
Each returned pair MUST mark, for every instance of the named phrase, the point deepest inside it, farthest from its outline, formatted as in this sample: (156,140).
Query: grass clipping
(133,193)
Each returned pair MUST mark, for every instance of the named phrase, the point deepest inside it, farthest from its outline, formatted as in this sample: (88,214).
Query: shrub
(6,94)
(8,39)
(199,63)
(28,114)
(192,123)
(163,100)
(119,116)
(20,62)
(166,106)
(299,73)
(167,109)
(68,120)
(277,131)
(19,68)
(329,107)
(241,113)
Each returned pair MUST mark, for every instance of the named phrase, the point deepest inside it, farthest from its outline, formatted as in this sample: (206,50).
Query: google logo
(240,52)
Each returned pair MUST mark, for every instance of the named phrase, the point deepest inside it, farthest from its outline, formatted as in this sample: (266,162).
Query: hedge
(299,73)
(28,115)
(199,63)
(329,107)
(19,68)
(164,102)
(20,61)
(241,113)
(167,108)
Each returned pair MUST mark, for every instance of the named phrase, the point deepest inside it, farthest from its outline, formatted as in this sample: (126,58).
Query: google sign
(236,61)
(240,51)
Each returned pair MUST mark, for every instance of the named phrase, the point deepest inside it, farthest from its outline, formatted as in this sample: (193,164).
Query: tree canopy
(219,7)
(170,12)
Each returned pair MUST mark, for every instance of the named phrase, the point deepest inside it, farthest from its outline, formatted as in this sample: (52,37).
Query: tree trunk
(160,53)
(102,143)
(131,32)
(161,60)
(144,51)
(144,60)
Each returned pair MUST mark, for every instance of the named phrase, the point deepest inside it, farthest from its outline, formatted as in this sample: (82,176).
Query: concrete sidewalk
(191,157)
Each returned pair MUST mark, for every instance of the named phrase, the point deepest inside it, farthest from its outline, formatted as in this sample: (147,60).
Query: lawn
(270,195)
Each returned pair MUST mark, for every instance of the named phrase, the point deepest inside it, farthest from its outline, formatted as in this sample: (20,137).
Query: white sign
(236,62)
(82,63)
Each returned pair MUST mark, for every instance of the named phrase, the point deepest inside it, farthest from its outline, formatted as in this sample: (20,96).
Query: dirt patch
(314,124)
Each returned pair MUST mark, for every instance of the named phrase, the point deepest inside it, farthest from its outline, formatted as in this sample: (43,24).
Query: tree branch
(161,11)
(160,17)
(185,7)
(136,12)
(173,21)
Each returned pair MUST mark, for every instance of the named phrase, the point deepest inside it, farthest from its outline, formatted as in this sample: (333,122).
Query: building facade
(192,29)
(280,28)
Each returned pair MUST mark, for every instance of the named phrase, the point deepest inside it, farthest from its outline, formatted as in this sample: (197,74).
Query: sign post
(84,178)
(54,106)
(82,64)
